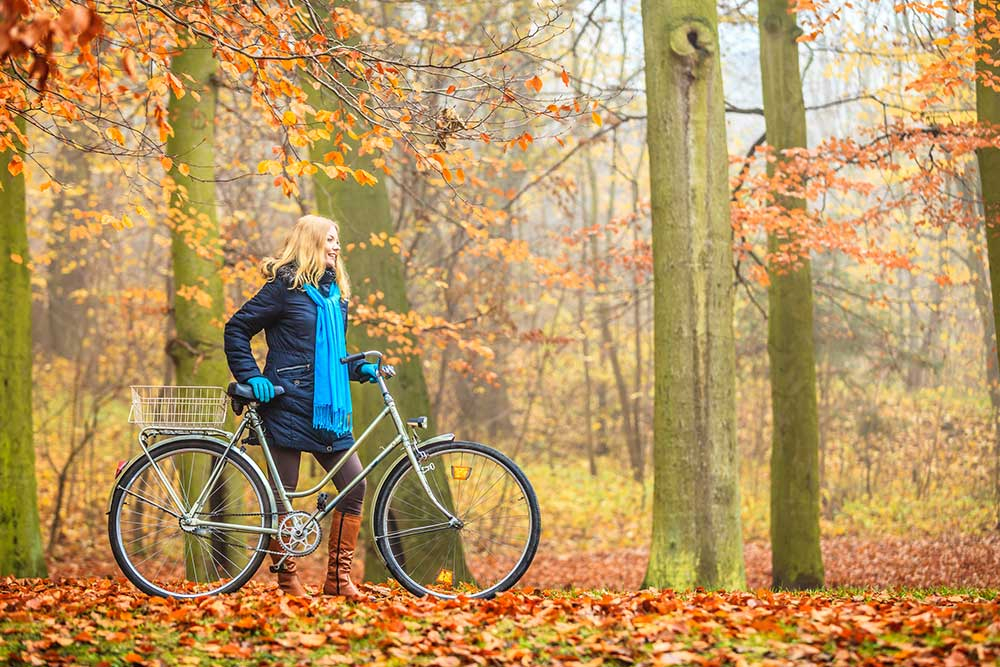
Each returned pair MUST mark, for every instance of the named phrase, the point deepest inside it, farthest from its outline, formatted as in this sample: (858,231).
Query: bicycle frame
(252,420)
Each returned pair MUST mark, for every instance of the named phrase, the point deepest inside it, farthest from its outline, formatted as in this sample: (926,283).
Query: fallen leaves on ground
(98,619)
(971,561)
(957,561)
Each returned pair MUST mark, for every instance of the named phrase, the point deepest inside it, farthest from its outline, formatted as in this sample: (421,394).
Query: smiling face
(332,247)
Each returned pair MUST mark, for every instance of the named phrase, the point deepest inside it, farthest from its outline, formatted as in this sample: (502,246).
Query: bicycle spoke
(162,557)
(496,540)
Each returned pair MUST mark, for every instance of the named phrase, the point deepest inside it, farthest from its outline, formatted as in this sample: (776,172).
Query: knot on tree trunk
(692,38)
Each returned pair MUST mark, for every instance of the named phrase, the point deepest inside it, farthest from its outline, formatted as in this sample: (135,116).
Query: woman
(307,285)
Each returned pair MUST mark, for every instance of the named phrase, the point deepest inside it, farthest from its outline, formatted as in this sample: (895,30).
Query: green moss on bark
(697,538)
(796,558)
(988,111)
(20,537)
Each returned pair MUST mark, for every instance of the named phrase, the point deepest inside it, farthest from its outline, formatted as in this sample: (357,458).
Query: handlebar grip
(352,357)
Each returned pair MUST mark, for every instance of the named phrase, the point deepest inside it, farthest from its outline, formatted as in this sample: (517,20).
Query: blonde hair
(304,249)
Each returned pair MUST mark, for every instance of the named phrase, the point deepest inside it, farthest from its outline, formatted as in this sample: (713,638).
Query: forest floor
(104,621)
(920,602)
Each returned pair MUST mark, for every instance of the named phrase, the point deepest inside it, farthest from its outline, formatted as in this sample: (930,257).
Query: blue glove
(263,390)
(369,371)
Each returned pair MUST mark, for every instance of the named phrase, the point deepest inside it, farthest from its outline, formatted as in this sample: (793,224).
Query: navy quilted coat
(288,319)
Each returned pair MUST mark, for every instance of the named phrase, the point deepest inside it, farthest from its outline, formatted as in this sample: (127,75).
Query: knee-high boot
(344,529)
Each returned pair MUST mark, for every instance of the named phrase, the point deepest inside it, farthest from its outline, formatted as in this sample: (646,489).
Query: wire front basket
(166,406)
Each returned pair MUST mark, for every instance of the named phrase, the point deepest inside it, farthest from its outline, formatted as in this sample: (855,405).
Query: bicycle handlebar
(361,355)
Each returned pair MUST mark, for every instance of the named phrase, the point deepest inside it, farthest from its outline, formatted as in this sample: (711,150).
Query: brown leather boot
(288,578)
(344,530)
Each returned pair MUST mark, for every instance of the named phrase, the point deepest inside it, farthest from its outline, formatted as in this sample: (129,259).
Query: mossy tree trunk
(363,212)
(697,538)
(20,535)
(988,111)
(196,252)
(796,559)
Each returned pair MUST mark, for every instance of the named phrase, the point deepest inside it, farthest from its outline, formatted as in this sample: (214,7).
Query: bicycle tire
(457,553)
(128,495)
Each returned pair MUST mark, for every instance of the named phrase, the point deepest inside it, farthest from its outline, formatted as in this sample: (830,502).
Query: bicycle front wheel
(163,555)
(490,546)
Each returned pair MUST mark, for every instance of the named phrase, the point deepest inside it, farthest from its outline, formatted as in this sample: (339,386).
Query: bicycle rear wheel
(490,547)
(160,555)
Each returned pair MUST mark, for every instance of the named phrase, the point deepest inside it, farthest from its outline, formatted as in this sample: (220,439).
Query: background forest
(523,288)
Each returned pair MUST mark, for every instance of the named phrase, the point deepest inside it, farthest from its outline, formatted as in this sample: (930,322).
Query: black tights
(287,462)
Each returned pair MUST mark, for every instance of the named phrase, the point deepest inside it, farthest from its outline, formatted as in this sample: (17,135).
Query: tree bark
(20,533)
(66,316)
(362,212)
(988,111)
(196,251)
(697,537)
(796,560)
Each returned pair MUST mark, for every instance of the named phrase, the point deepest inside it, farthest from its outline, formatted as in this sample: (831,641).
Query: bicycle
(192,515)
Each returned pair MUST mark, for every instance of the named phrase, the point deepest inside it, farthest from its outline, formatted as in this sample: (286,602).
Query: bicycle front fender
(234,451)
(444,437)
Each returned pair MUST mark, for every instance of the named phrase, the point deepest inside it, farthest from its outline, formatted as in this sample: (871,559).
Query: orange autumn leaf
(15,166)
(364,178)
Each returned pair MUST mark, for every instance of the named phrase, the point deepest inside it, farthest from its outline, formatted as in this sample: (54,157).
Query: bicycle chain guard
(299,534)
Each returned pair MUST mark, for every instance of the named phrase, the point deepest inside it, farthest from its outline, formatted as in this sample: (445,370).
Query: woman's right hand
(263,390)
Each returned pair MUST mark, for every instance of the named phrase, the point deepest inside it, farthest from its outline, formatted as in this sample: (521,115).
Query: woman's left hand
(369,370)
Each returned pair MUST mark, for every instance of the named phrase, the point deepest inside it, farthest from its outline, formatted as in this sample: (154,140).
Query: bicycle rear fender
(444,437)
(234,451)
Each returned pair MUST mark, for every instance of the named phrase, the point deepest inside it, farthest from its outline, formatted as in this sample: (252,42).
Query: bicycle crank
(299,533)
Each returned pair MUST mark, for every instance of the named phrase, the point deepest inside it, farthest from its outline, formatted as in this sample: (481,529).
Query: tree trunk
(362,212)
(66,316)
(20,533)
(796,559)
(196,253)
(697,537)
(988,111)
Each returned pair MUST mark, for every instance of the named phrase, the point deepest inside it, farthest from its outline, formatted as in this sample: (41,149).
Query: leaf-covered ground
(890,562)
(85,618)
(971,561)
(105,621)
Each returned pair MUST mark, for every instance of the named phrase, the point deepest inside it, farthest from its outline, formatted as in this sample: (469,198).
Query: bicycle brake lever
(388,371)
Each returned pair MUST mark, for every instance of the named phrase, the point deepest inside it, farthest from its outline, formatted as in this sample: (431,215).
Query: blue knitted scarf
(331,389)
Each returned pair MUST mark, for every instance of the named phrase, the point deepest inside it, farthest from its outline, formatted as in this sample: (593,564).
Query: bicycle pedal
(321,501)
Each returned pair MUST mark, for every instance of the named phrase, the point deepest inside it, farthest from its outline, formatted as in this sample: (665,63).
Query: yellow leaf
(596,117)
(288,118)
(364,178)
(15,166)
(17,259)
(184,169)
(115,135)
(166,163)
(534,82)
